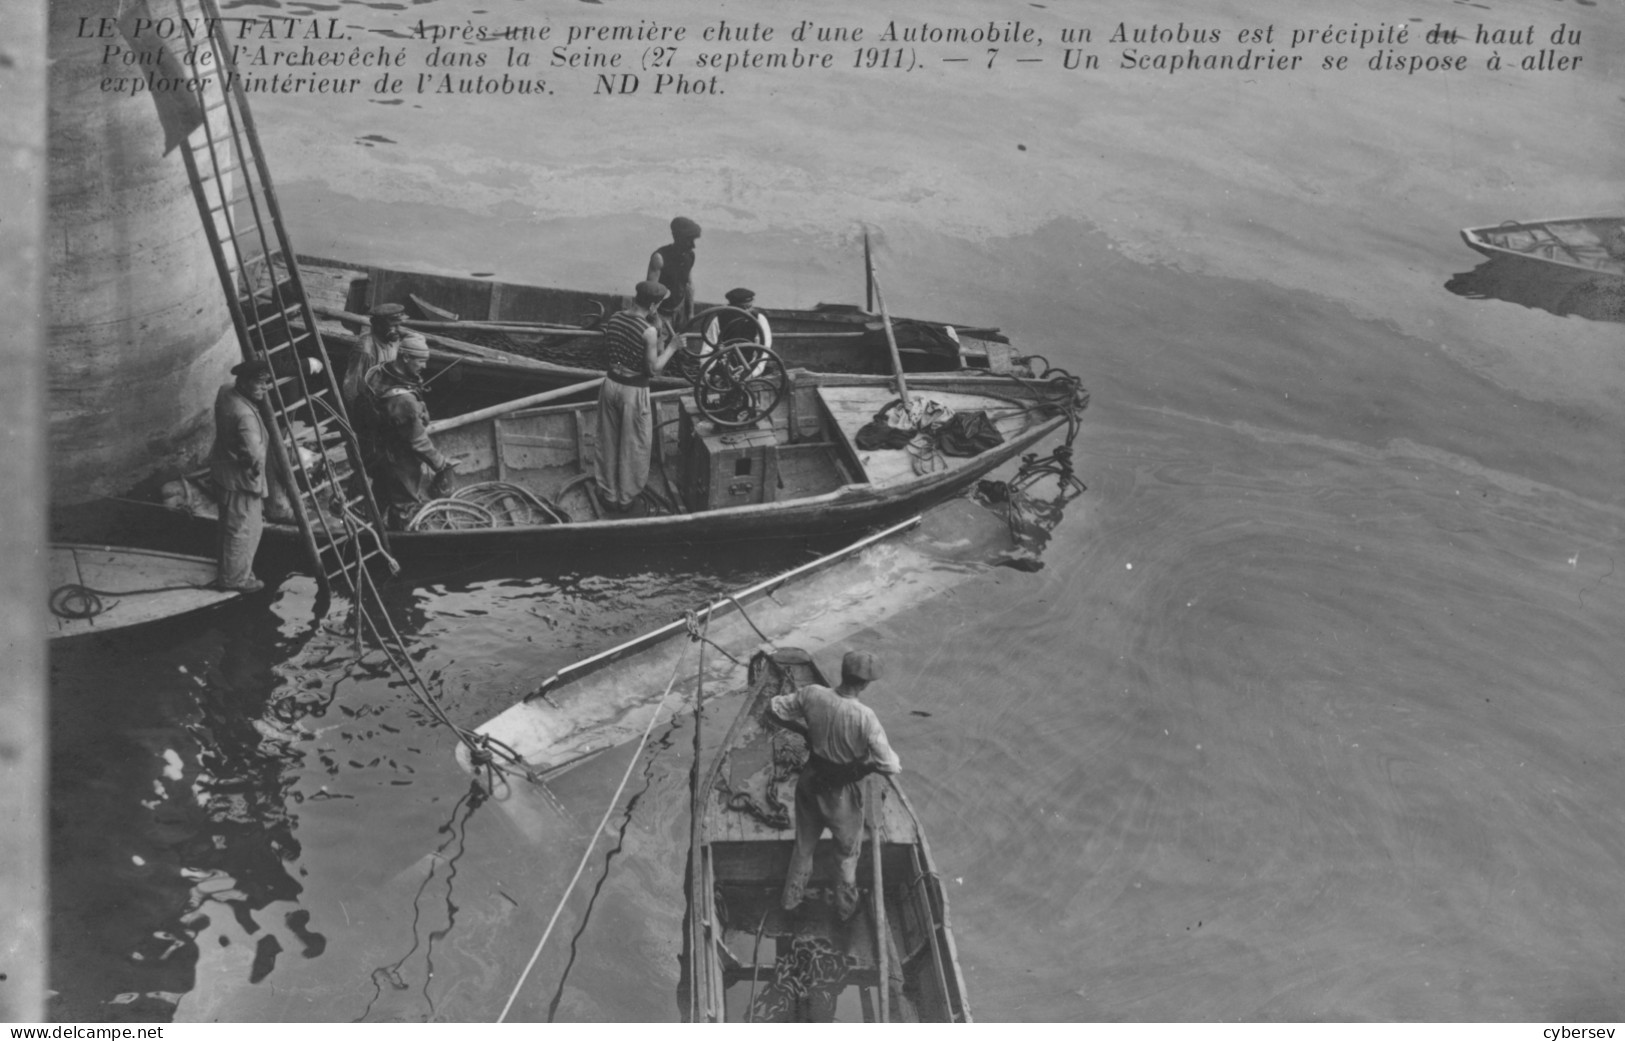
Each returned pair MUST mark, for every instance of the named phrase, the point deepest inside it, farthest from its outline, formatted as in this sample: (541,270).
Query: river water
(1313,710)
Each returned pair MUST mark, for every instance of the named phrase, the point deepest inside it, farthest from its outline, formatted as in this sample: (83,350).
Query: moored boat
(746,959)
(526,477)
(1567,249)
(96,589)
(513,339)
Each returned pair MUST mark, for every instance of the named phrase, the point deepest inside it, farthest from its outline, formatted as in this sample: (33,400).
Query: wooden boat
(527,485)
(1567,249)
(126,587)
(510,340)
(746,959)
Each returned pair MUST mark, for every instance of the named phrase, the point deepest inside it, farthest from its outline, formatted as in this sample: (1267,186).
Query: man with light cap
(845,744)
(672,265)
(398,444)
(375,347)
(634,355)
(237,469)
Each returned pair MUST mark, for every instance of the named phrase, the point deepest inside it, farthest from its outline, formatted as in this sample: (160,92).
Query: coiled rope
(76,601)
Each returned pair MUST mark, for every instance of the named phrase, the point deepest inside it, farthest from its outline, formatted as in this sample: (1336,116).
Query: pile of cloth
(924,424)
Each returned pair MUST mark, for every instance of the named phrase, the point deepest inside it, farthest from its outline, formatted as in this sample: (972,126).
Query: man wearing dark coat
(237,470)
(400,446)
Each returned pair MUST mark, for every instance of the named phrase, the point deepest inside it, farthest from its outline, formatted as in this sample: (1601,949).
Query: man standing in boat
(635,353)
(846,743)
(375,347)
(672,265)
(237,468)
(398,439)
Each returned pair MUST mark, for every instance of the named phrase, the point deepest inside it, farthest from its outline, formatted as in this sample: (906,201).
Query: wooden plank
(499,445)
(877,893)
(841,436)
(770,473)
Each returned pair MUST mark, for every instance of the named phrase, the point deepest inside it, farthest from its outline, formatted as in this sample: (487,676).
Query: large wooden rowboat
(1567,249)
(798,473)
(745,959)
(127,587)
(512,339)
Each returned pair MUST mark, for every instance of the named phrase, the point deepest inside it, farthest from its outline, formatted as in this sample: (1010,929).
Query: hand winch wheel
(718,325)
(739,383)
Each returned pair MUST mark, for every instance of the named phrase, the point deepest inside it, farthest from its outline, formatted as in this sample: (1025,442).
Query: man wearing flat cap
(237,469)
(845,743)
(635,354)
(375,347)
(398,447)
(672,265)
(747,326)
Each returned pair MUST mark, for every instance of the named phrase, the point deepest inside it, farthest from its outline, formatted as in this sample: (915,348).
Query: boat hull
(860,498)
(1568,250)
(511,362)
(131,587)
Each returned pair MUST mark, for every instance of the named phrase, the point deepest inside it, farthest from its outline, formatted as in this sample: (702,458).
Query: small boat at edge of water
(745,959)
(1570,249)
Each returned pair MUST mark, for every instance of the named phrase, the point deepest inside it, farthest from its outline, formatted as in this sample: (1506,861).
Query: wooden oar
(447,343)
(442,425)
(877,886)
(502,327)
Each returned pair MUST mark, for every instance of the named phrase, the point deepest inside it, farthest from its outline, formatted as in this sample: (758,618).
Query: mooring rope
(586,854)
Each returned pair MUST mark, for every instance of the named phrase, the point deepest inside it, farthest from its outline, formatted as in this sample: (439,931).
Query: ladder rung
(372,554)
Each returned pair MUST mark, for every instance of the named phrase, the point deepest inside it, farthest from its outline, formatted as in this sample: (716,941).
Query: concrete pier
(139,335)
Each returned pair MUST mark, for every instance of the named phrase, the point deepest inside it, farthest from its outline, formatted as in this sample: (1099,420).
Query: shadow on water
(1516,282)
(167,806)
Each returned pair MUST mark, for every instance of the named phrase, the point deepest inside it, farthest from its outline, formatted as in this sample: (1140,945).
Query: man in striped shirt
(634,353)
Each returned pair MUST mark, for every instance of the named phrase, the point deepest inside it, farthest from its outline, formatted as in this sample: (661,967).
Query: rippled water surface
(1312,712)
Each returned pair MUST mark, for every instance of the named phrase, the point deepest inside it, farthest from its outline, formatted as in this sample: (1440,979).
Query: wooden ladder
(315,445)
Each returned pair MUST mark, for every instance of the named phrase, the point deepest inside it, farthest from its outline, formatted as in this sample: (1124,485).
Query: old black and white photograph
(700,511)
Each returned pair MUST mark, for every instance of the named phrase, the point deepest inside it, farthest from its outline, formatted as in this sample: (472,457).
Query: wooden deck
(120,575)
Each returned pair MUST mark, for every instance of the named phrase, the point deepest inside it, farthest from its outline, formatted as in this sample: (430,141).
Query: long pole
(441,425)
(877,894)
(868,275)
(891,340)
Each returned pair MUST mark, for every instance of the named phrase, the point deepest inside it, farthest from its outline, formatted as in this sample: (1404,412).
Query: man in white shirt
(846,743)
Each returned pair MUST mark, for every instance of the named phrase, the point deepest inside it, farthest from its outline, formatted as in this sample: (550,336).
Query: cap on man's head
(860,665)
(741,297)
(648,293)
(413,345)
(251,370)
(395,311)
(683,228)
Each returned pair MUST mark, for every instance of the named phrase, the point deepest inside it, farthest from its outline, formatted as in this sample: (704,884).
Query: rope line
(586,854)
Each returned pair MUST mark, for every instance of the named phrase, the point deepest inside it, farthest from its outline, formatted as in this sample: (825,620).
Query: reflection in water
(441,866)
(1530,285)
(170,794)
